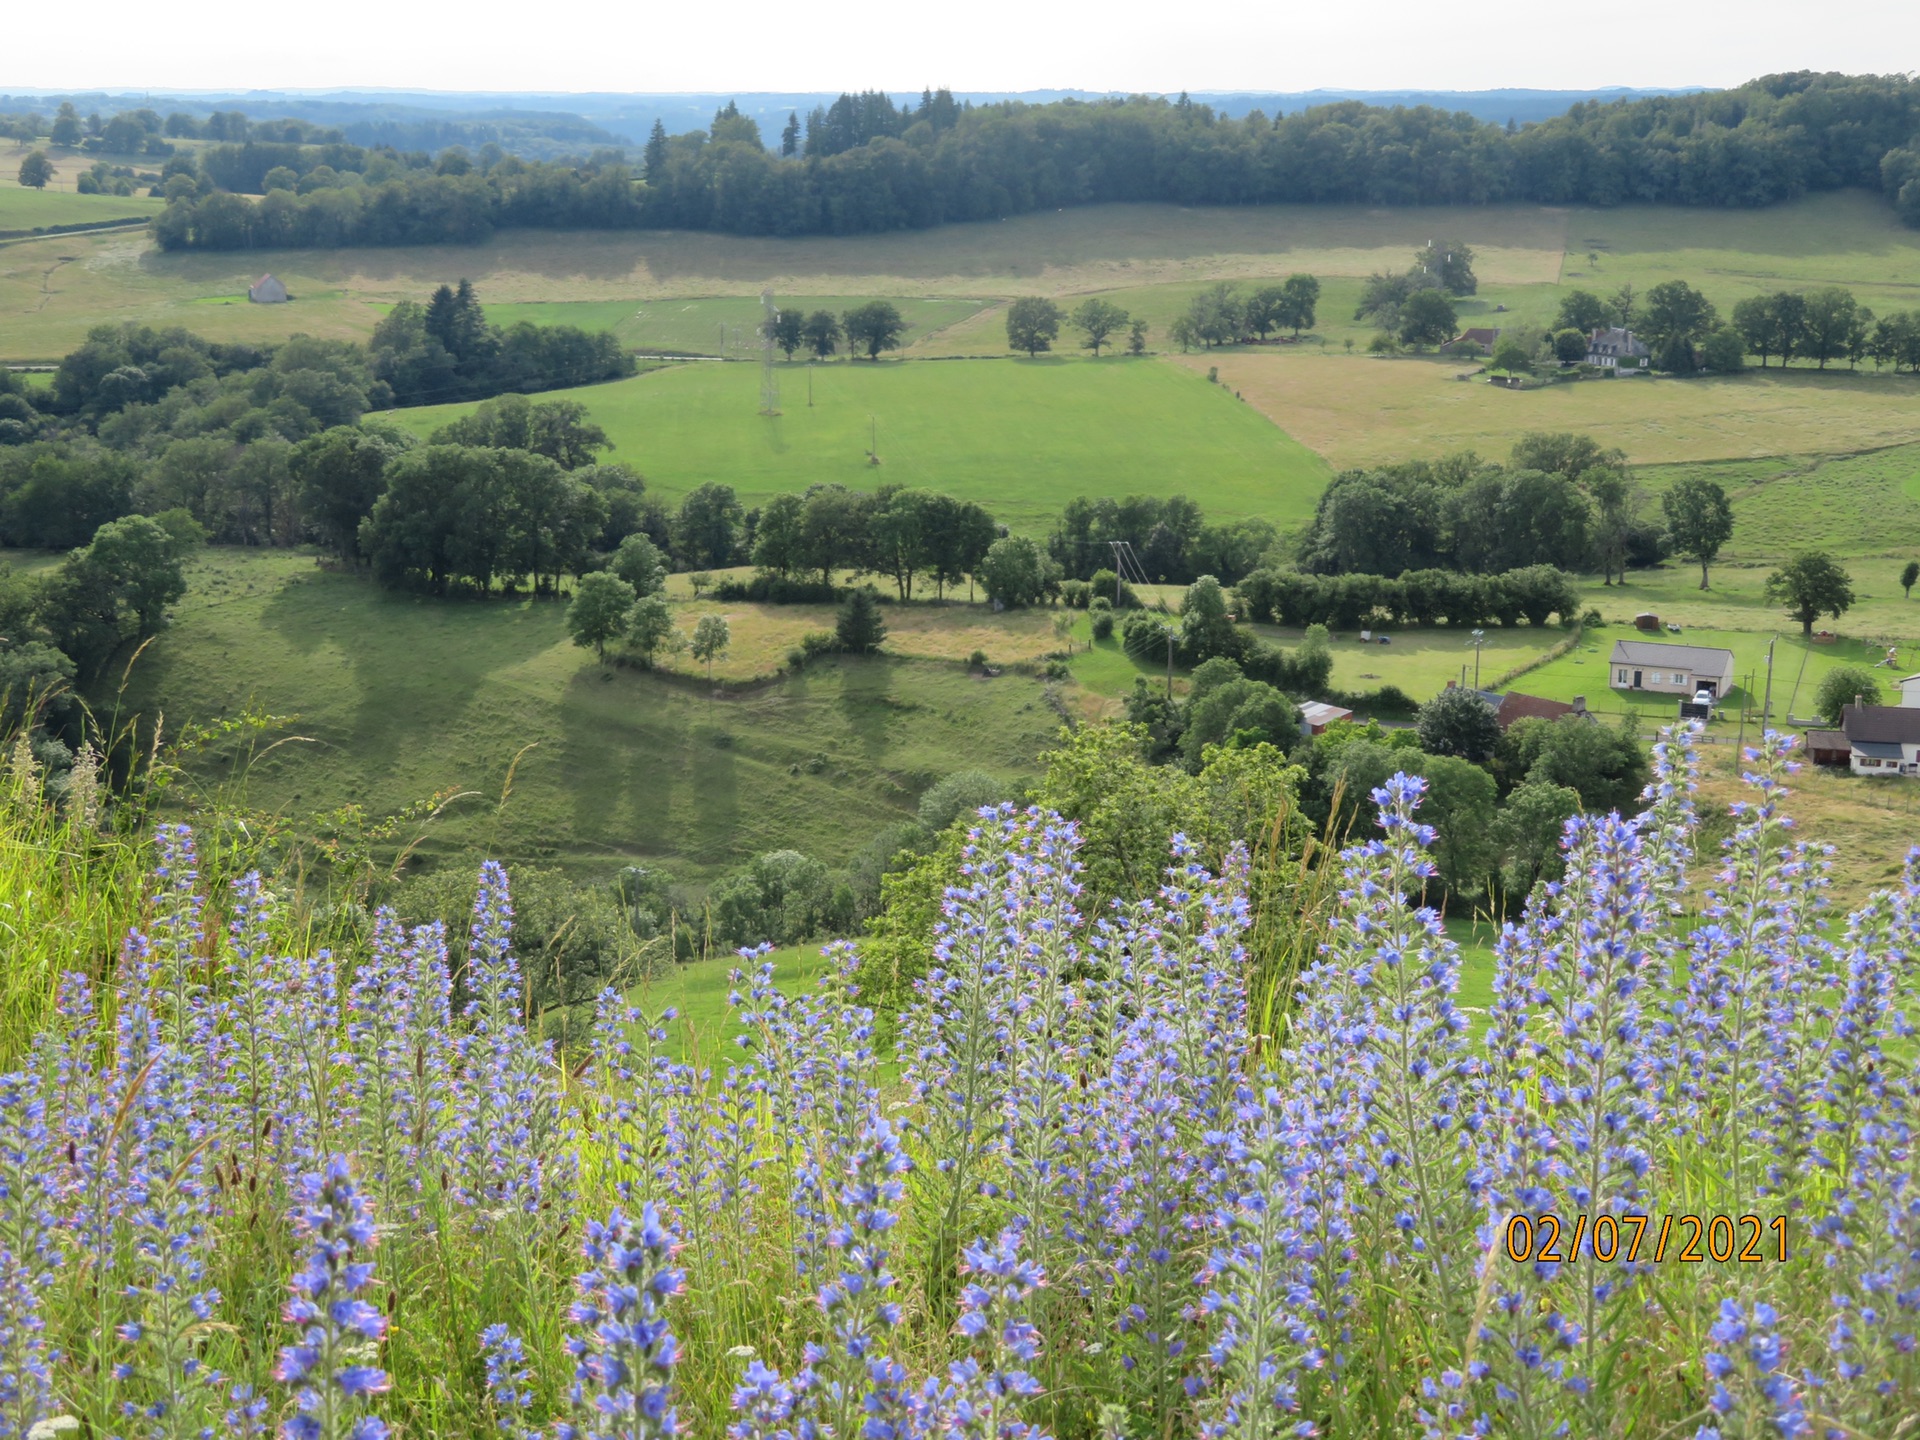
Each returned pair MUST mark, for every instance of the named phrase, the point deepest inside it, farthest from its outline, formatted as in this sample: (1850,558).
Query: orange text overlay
(1645,1239)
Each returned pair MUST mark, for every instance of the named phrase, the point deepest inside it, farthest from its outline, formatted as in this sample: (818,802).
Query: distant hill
(542,124)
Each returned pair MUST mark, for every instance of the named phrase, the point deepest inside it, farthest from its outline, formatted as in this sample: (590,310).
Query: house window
(1620,678)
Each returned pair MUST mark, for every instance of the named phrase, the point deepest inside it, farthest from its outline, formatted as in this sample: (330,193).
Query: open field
(1422,662)
(1524,254)
(22,209)
(1358,410)
(1019,436)
(698,990)
(1880,615)
(398,699)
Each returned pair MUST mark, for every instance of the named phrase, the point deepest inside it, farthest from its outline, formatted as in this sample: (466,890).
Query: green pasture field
(698,990)
(1866,504)
(23,209)
(29,562)
(1422,661)
(1880,616)
(1798,667)
(393,699)
(724,325)
(1019,436)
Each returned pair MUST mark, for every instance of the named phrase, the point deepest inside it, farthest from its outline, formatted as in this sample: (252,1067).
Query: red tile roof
(1515,706)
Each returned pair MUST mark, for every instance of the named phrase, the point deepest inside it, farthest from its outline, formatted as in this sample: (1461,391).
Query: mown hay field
(1363,410)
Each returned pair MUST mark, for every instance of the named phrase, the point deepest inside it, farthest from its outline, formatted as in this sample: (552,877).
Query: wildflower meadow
(1665,1186)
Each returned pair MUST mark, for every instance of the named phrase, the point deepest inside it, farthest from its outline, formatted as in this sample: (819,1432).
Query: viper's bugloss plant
(330,1366)
(1395,1214)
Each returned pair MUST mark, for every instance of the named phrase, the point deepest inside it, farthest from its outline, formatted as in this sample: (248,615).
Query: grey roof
(1684,657)
(1877,750)
(1826,740)
(1613,340)
(1881,725)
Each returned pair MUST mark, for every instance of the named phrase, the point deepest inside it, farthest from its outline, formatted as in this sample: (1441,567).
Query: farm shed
(1883,739)
(267,290)
(1909,690)
(1317,715)
(1671,669)
(1480,336)
(1828,747)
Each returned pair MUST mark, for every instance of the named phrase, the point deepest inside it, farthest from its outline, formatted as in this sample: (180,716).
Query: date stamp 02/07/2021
(1640,1239)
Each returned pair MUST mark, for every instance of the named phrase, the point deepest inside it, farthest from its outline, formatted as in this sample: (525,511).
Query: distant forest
(865,165)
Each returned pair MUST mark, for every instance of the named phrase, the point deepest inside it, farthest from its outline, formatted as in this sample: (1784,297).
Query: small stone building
(267,290)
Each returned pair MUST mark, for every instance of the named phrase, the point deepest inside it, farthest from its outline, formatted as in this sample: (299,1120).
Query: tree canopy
(1810,585)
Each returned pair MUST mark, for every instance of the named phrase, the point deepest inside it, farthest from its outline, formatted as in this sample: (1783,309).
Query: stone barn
(267,290)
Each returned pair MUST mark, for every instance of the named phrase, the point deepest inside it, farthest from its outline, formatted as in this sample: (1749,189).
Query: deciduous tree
(1459,722)
(1016,572)
(1096,319)
(1810,585)
(639,562)
(36,170)
(599,611)
(650,627)
(1427,318)
(1300,298)
(1699,520)
(710,640)
(1584,311)
(822,333)
(1678,317)
(873,327)
(790,330)
(1033,324)
(707,530)
(1843,686)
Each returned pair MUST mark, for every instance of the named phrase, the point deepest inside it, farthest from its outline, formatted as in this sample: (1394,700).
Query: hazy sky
(971,45)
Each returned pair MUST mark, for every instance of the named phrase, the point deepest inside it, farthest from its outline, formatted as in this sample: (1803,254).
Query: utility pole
(1169,662)
(1479,639)
(1766,706)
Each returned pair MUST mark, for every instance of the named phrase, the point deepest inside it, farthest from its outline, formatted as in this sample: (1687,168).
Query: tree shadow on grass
(412,661)
(866,700)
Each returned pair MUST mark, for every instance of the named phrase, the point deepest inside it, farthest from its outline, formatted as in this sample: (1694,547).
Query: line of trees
(1826,325)
(1222,315)
(1535,593)
(1170,537)
(869,167)
(902,534)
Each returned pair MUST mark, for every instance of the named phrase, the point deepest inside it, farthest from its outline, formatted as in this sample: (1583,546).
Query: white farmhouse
(1882,739)
(1671,669)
